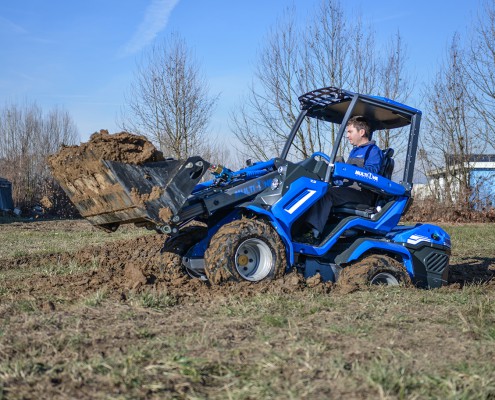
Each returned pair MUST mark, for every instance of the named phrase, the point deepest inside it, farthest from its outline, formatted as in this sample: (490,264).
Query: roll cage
(338,106)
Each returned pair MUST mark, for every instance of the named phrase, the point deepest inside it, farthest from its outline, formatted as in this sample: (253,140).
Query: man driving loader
(365,154)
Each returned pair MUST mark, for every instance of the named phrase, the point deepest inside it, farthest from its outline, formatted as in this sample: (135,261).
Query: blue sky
(81,55)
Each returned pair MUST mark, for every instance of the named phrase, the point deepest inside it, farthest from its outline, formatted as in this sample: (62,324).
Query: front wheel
(245,249)
(375,269)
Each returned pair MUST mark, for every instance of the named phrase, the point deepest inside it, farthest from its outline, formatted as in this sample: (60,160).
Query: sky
(81,56)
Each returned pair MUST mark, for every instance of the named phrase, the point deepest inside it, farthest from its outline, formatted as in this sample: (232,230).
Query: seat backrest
(388,163)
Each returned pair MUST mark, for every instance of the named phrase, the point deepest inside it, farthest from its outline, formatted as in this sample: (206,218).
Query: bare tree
(262,122)
(27,137)
(450,139)
(330,60)
(394,85)
(331,50)
(169,100)
(481,68)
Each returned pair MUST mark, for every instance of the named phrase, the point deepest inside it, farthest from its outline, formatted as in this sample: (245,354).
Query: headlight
(275,183)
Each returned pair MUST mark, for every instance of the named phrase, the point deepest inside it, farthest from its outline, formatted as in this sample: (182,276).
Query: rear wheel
(374,270)
(245,249)
(176,252)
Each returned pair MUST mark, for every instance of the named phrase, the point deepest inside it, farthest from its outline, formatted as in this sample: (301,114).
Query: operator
(365,154)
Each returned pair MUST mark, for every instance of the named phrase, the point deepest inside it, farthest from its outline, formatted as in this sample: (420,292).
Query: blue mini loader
(246,221)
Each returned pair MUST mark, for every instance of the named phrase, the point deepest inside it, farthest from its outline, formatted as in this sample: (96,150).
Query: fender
(363,245)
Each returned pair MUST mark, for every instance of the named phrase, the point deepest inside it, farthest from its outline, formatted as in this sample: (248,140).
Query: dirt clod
(125,147)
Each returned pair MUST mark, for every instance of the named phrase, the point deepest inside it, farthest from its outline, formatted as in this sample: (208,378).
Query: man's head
(358,130)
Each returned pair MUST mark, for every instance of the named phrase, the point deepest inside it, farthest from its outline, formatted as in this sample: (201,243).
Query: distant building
(6,202)
(481,177)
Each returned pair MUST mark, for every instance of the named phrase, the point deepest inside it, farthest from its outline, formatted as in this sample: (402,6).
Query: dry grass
(385,343)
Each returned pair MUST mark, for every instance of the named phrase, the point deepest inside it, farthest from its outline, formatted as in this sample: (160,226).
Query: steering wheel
(325,157)
(322,155)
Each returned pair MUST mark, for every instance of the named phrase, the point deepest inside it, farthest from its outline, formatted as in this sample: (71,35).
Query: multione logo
(367,175)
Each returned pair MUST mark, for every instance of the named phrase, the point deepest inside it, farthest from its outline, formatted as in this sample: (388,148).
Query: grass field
(388,343)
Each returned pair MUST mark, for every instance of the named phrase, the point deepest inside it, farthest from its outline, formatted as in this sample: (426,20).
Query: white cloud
(11,27)
(155,20)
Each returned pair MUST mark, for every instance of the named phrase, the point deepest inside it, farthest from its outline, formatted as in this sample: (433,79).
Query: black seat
(388,163)
(366,210)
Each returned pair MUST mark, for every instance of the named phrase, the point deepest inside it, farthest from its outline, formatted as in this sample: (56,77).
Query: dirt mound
(137,265)
(92,186)
(72,162)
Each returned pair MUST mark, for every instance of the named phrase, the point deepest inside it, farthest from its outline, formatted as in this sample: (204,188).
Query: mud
(137,265)
(79,168)
(74,161)
(142,199)
(90,185)
(165,214)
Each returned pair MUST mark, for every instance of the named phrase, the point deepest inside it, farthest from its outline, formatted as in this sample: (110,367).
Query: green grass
(96,299)
(470,240)
(26,240)
(371,344)
(153,300)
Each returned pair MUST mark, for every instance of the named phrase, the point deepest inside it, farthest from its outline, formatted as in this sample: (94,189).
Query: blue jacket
(368,156)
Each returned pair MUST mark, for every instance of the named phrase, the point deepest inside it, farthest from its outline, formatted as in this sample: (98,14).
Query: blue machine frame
(281,192)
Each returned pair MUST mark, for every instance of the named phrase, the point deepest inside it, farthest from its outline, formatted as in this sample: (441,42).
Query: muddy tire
(245,250)
(373,270)
(177,247)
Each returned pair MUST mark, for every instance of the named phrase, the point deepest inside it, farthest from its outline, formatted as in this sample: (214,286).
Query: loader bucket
(148,194)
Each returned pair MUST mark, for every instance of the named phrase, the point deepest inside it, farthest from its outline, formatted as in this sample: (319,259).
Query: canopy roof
(330,104)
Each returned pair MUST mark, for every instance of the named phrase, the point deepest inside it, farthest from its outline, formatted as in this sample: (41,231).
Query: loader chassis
(250,218)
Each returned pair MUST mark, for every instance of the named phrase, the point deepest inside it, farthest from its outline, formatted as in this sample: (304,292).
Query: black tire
(246,249)
(374,270)
(175,248)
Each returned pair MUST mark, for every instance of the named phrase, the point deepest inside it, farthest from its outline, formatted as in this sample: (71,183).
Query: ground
(86,314)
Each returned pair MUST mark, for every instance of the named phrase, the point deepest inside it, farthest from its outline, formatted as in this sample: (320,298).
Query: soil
(142,199)
(433,211)
(87,181)
(72,162)
(137,265)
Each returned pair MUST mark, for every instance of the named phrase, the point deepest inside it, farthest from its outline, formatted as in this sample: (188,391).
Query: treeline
(337,49)
(27,136)
(331,49)
(169,101)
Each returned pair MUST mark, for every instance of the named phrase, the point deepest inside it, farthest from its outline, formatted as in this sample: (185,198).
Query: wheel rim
(384,278)
(254,260)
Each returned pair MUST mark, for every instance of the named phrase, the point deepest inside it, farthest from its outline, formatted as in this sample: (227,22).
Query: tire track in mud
(133,265)
(137,265)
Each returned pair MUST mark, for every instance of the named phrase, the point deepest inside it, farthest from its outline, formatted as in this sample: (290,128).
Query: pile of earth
(133,266)
(92,186)
(72,162)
